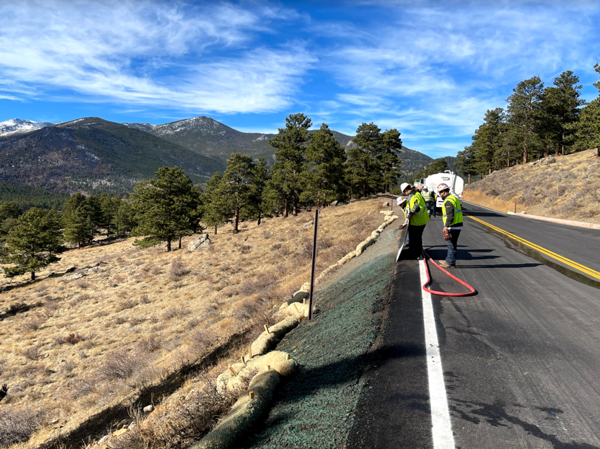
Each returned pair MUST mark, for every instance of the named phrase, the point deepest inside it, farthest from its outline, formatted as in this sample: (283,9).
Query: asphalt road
(521,359)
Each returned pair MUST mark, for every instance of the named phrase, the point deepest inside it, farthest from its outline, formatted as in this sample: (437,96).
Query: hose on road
(426,257)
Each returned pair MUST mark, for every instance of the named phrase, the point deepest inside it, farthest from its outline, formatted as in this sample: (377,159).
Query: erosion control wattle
(426,257)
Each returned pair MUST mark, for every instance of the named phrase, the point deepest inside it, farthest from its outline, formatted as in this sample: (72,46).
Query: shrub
(73,338)
(119,365)
(34,324)
(32,353)
(177,269)
(150,344)
(17,425)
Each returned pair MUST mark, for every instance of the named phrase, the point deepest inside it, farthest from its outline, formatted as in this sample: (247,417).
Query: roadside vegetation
(566,187)
(119,317)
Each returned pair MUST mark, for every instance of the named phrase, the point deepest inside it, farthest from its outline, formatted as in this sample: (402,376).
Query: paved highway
(521,359)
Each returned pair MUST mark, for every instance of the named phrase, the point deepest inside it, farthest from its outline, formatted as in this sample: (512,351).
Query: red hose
(433,292)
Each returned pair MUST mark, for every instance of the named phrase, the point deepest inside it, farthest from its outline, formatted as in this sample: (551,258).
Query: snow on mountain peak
(17,125)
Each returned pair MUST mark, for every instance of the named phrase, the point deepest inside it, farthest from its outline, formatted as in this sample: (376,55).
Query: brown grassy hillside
(567,188)
(75,344)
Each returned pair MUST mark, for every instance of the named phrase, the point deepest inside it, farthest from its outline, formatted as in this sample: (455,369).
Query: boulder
(201,242)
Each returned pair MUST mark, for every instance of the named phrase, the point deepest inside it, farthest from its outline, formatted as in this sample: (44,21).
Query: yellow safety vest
(421,217)
(427,196)
(458,216)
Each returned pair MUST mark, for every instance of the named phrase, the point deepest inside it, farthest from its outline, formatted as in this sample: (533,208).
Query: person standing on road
(417,218)
(453,222)
(429,198)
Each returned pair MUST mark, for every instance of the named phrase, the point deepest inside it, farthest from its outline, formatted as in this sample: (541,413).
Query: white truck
(455,182)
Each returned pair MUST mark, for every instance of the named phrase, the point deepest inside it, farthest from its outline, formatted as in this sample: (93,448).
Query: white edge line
(441,426)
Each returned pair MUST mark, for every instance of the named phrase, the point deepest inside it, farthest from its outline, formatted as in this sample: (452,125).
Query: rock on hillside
(17,125)
(568,188)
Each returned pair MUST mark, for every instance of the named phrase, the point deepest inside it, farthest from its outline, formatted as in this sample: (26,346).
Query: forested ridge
(538,121)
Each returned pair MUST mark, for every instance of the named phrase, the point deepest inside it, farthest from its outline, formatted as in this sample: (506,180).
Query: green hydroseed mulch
(314,408)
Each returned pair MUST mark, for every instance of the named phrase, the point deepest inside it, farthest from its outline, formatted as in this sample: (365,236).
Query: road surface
(521,359)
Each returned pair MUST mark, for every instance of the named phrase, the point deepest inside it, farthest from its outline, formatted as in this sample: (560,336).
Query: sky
(429,69)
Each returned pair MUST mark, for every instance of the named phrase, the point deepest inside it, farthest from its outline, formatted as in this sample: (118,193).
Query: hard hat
(442,187)
(404,186)
(400,200)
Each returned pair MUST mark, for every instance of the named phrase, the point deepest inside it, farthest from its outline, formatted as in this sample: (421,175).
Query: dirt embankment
(567,187)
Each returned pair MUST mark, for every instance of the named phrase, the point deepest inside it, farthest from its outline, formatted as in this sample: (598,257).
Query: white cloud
(149,53)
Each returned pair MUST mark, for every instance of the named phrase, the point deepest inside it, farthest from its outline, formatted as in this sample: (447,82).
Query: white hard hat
(442,187)
(400,200)
(405,186)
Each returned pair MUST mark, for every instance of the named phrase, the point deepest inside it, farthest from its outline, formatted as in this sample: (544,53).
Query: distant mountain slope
(92,154)
(209,137)
(17,125)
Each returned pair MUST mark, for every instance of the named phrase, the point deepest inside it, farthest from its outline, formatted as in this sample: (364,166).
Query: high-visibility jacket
(420,216)
(427,196)
(457,216)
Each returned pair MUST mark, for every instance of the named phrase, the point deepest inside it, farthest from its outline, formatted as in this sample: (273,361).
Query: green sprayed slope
(315,407)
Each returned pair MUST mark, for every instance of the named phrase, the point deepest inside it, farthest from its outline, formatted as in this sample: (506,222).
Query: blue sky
(429,69)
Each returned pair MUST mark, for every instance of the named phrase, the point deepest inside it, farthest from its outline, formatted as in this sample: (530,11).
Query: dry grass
(568,188)
(71,347)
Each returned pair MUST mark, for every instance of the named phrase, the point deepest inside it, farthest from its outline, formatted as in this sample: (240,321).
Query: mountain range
(91,155)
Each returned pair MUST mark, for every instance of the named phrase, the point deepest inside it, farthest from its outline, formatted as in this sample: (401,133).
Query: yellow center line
(542,250)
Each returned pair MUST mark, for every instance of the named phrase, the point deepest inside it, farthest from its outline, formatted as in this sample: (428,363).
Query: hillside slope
(566,187)
(93,154)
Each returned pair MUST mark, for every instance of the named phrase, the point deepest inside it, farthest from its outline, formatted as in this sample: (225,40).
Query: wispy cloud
(149,53)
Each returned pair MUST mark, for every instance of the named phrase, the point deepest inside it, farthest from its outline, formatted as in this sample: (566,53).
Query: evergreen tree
(465,161)
(488,141)
(559,110)
(165,207)
(109,209)
(324,175)
(363,170)
(524,114)
(124,220)
(79,218)
(9,212)
(215,209)
(391,144)
(258,204)
(290,159)
(33,242)
(587,129)
(236,187)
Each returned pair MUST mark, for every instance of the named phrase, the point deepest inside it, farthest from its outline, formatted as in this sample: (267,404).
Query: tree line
(538,121)
(311,169)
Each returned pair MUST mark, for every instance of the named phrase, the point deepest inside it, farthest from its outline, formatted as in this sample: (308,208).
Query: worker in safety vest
(453,223)
(417,218)
(429,198)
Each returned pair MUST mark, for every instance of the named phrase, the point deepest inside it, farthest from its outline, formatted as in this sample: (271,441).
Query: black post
(314,262)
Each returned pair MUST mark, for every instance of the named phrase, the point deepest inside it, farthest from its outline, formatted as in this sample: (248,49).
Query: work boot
(443,264)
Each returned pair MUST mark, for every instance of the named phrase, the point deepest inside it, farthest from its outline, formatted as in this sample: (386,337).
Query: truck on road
(455,182)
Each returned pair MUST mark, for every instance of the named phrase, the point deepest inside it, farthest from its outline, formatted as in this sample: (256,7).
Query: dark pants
(431,208)
(452,246)
(415,236)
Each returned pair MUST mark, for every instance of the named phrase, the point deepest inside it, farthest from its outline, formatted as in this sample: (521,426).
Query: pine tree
(362,168)
(524,114)
(290,158)
(33,242)
(236,186)
(324,174)
(587,129)
(488,141)
(258,204)
(165,208)
(215,209)
(79,216)
(560,109)
(465,161)
(9,212)
(391,145)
